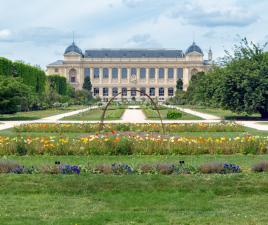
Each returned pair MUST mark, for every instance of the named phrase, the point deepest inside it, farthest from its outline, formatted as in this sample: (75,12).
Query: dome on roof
(73,48)
(194,48)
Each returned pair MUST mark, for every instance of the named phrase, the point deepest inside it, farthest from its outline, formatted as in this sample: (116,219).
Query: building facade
(123,71)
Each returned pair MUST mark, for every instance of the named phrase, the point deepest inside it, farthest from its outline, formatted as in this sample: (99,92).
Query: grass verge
(34,115)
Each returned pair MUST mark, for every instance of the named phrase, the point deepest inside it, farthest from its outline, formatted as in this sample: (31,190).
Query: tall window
(115,73)
(96,91)
(133,71)
(96,73)
(152,91)
(170,91)
(161,91)
(124,91)
(72,75)
(133,91)
(152,73)
(142,73)
(143,91)
(115,91)
(87,72)
(105,91)
(180,73)
(161,73)
(170,73)
(105,73)
(124,73)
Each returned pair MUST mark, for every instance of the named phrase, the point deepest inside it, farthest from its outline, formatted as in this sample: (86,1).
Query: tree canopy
(240,85)
(14,95)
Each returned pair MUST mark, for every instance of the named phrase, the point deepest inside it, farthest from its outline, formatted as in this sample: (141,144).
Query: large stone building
(112,71)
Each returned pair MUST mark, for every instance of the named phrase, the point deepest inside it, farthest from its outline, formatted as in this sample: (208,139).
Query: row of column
(147,75)
(167,92)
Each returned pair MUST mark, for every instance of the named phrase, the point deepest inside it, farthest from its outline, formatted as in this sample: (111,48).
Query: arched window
(170,91)
(105,91)
(161,91)
(152,91)
(142,91)
(133,91)
(115,91)
(124,91)
(72,75)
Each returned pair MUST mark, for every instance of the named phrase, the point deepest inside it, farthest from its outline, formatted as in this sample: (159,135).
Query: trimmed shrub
(165,168)
(173,114)
(146,169)
(260,166)
(8,166)
(118,168)
(219,167)
(103,168)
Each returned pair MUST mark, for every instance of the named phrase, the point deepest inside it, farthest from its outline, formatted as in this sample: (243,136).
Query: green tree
(179,85)
(58,83)
(87,84)
(14,95)
(245,84)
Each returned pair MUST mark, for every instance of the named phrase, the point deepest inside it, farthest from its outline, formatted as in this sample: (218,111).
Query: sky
(37,32)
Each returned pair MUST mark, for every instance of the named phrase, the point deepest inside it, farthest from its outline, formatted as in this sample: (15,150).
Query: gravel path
(134,115)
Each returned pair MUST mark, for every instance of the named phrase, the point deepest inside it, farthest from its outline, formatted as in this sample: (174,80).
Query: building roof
(73,48)
(133,53)
(194,48)
(56,63)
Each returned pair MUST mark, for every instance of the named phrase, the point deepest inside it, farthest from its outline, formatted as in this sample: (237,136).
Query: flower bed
(131,144)
(143,127)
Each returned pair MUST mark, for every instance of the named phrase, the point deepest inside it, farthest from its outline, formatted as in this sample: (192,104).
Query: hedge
(31,75)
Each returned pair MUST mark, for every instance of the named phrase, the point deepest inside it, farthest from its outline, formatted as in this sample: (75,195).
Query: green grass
(248,131)
(34,115)
(134,199)
(263,123)
(153,115)
(223,114)
(95,114)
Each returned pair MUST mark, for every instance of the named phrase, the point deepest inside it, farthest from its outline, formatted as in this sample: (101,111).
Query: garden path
(133,115)
(250,124)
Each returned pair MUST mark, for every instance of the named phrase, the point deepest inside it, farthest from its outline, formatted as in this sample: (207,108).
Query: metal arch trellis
(110,101)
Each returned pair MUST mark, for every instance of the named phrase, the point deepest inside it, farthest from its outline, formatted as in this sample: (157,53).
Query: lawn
(112,113)
(153,115)
(223,114)
(134,199)
(263,123)
(34,115)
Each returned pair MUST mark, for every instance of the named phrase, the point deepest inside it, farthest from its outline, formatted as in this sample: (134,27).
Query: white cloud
(214,13)
(5,33)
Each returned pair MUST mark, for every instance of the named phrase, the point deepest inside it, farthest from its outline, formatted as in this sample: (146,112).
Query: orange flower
(117,139)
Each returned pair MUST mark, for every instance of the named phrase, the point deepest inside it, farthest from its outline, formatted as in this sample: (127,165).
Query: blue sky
(38,32)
